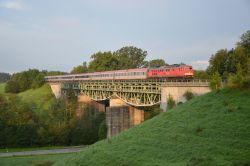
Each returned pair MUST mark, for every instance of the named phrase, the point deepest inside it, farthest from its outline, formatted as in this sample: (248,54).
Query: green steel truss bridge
(132,92)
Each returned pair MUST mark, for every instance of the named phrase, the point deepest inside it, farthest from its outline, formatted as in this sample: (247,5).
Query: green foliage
(245,40)
(38,81)
(199,132)
(217,62)
(36,118)
(103,128)
(103,61)
(130,57)
(170,102)
(53,73)
(226,63)
(4,77)
(2,88)
(25,80)
(150,112)
(201,74)
(80,69)
(156,63)
(236,80)
(188,95)
(215,82)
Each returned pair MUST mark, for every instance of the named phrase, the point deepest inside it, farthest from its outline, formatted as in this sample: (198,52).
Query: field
(210,130)
(2,86)
(39,98)
(213,129)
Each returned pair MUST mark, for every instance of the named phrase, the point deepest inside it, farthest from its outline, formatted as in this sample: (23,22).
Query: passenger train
(176,71)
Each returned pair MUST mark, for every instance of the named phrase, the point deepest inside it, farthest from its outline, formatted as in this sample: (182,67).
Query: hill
(2,86)
(213,129)
(39,98)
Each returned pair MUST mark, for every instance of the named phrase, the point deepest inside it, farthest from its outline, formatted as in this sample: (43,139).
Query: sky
(61,34)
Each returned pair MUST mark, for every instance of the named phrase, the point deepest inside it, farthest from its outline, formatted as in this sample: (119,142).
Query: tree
(38,81)
(156,63)
(215,82)
(80,69)
(201,74)
(236,80)
(245,40)
(218,61)
(103,61)
(4,77)
(25,80)
(130,57)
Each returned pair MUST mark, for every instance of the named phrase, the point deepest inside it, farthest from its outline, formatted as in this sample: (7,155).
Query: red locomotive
(171,71)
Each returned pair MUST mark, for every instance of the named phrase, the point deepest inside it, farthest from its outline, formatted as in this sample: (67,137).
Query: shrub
(236,80)
(171,102)
(246,83)
(102,133)
(215,82)
(188,95)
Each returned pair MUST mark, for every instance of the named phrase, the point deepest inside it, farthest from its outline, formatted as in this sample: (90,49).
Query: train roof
(103,72)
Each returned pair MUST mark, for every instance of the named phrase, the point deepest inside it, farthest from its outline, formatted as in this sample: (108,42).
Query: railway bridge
(126,97)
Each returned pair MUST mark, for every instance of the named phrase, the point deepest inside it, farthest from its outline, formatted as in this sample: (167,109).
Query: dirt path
(39,152)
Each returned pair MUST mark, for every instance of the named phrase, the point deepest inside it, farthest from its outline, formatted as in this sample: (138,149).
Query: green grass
(2,86)
(40,97)
(41,160)
(210,130)
(213,129)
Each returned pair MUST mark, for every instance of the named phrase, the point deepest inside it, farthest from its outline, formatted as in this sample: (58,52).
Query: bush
(188,95)
(171,102)
(102,133)
(246,83)
(25,80)
(215,82)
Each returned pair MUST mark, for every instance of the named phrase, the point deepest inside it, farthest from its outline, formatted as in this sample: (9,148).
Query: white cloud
(14,5)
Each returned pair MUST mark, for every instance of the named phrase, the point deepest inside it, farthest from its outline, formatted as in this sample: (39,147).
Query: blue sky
(60,34)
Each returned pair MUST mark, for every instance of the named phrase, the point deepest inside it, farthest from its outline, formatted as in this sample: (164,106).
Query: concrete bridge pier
(120,117)
(56,89)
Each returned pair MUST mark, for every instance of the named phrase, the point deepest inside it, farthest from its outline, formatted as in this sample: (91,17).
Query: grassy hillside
(2,86)
(39,97)
(209,130)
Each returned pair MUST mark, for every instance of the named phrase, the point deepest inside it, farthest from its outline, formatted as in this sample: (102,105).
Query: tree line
(128,57)
(60,124)
(25,80)
(4,77)
(231,65)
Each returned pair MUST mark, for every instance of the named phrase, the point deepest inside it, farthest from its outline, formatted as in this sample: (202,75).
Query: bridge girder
(136,93)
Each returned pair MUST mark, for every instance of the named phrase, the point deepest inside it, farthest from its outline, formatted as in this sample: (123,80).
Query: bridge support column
(120,117)
(56,89)
(177,92)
